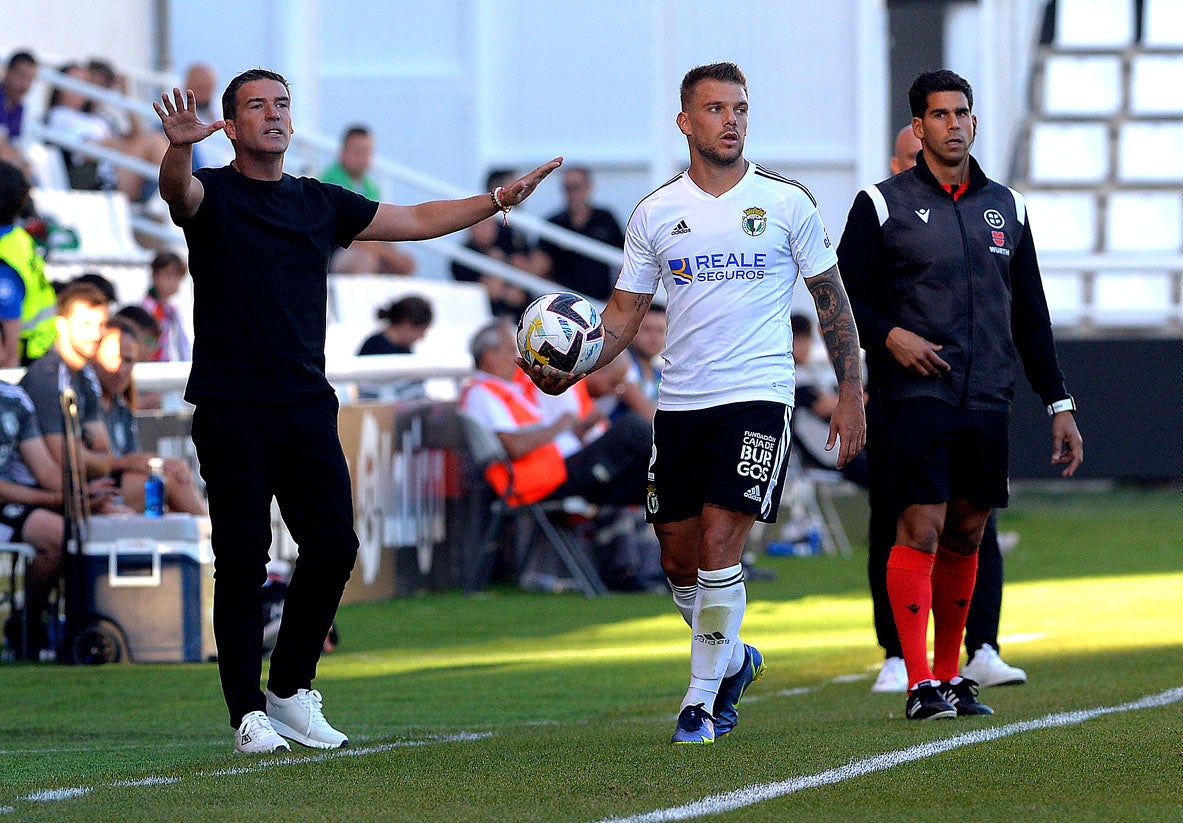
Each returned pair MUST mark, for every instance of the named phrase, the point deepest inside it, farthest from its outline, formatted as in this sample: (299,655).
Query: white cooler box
(147,590)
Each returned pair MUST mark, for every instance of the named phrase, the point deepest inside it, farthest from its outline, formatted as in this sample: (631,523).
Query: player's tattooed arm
(621,318)
(837,327)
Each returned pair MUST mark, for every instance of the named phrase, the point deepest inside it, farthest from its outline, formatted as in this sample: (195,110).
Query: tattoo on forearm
(836,325)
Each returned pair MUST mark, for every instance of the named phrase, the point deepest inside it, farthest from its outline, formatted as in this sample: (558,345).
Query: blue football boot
(732,689)
(695,726)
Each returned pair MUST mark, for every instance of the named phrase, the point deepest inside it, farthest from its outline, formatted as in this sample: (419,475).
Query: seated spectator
(30,502)
(18,79)
(492,237)
(147,332)
(216,150)
(630,382)
(569,268)
(99,282)
(406,322)
(27,300)
(815,397)
(82,315)
(172,342)
(76,115)
(352,171)
(548,459)
(117,355)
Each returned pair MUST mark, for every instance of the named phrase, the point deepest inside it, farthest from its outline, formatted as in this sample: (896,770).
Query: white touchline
(50,795)
(751,795)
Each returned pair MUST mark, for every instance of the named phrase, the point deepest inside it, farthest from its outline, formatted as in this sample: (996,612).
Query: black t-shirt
(259,255)
(572,269)
(380,344)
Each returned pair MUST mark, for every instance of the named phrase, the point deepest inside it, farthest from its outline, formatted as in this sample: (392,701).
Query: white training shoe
(893,677)
(300,718)
(989,669)
(256,736)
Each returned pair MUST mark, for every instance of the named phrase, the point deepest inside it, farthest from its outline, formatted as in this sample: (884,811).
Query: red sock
(953,578)
(909,587)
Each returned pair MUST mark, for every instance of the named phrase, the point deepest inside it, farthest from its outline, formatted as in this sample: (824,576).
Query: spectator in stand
(216,150)
(18,78)
(77,117)
(116,357)
(352,171)
(406,322)
(495,239)
(99,282)
(147,328)
(548,459)
(569,268)
(172,341)
(30,502)
(82,315)
(27,300)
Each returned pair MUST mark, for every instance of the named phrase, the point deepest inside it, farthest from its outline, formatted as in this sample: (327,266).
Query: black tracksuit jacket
(962,273)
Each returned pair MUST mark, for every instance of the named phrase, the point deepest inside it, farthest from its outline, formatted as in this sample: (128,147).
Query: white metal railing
(171,377)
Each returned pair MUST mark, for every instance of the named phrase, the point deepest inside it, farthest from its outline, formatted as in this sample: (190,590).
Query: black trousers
(613,469)
(985,608)
(249,454)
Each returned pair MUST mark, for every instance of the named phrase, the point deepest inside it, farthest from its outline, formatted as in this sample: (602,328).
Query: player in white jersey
(729,240)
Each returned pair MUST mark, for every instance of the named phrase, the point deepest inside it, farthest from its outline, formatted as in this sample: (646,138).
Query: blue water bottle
(154,489)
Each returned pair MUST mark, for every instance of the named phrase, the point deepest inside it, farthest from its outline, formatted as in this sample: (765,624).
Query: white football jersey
(729,265)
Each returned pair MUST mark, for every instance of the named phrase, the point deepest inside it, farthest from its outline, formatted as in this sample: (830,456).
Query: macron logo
(922,214)
(681,228)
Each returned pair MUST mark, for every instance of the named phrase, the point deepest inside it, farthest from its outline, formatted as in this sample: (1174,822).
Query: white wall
(121,31)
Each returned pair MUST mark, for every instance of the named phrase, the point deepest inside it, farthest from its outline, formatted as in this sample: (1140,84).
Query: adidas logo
(922,214)
(753,493)
(681,228)
(712,639)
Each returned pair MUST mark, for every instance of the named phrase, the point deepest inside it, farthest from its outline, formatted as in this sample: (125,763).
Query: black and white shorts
(733,456)
(12,521)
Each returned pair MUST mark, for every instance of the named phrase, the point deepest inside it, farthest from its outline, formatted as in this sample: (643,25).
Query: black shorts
(935,452)
(12,521)
(733,455)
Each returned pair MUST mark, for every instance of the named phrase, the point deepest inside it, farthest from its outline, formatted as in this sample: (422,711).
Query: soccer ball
(561,330)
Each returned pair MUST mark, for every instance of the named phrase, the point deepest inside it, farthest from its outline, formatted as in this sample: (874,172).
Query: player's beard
(718,157)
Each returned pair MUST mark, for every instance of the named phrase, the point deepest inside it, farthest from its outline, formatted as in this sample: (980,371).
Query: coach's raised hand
(179,118)
(524,186)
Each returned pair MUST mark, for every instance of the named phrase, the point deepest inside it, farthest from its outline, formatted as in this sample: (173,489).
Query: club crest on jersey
(755,220)
(681,272)
(994,218)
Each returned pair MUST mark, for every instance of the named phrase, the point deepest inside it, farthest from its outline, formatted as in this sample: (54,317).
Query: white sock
(684,597)
(718,613)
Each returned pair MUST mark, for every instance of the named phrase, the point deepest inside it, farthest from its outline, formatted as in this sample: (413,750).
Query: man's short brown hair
(86,293)
(723,72)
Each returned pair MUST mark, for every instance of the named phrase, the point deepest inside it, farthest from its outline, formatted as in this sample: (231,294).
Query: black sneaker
(963,697)
(926,703)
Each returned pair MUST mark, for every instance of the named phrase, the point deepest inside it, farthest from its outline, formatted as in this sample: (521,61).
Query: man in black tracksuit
(943,278)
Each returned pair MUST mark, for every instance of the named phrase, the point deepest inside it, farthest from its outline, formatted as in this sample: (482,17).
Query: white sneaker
(893,677)
(256,736)
(300,718)
(989,669)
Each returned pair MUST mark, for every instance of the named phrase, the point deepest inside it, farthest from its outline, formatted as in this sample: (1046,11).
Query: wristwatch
(1067,404)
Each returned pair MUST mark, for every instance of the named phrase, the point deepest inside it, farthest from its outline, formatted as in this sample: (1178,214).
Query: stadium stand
(1103,166)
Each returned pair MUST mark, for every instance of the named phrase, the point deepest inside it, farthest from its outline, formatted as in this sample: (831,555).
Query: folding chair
(19,555)
(486,449)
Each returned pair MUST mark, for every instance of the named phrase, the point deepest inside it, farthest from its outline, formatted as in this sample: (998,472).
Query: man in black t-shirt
(265,424)
(569,268)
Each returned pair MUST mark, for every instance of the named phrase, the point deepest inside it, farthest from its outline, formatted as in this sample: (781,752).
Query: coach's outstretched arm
(439,217)
(621,318)
(848,423)
(178,187)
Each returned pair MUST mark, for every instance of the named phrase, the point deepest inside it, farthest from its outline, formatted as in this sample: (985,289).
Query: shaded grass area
(571,703)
